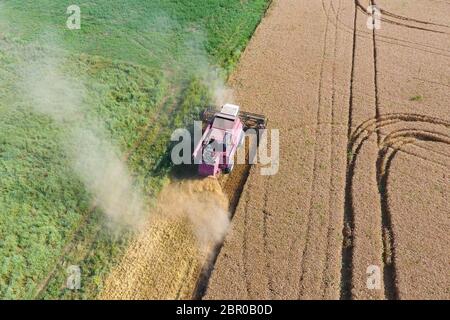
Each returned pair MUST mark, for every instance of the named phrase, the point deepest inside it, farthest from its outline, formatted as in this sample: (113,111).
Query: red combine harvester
(223,134)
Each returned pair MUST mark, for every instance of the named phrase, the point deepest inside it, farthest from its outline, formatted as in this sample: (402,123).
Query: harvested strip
(165,260)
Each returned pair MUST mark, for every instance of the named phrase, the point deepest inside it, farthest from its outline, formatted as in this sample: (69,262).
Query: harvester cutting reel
(248,119)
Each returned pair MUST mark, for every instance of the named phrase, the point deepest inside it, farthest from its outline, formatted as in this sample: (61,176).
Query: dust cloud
(91,153)
(195,62)
(95,158)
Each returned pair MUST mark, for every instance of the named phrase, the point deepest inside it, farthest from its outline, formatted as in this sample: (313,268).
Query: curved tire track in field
(355,147)
(389,147)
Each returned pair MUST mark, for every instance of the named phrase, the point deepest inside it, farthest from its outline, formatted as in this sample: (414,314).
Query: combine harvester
(223,134)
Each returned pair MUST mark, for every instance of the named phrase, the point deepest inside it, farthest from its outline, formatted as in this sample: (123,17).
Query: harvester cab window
(223,123)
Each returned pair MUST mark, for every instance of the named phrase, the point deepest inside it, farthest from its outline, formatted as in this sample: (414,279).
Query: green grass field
(141,65)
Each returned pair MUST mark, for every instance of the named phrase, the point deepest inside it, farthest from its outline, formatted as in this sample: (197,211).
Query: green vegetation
(416,98)
(138,62)
(151,33)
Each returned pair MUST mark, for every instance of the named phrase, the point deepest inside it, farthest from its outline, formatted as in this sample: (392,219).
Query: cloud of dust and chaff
(92,154)
(201,202)
(203,205)
(191,59)
(212,76)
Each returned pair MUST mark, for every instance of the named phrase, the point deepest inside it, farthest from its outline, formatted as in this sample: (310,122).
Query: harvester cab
(223,134)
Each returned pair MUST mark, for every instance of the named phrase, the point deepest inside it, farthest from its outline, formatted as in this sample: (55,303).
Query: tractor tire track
(396,16)
(245,247)
(306,239)
(385,158)
(388,149)
(266,215)
(317,146)
(391,291)
(395,41)
(364,10)
(284,237)
(332,160)
(348,221)
(375,74)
